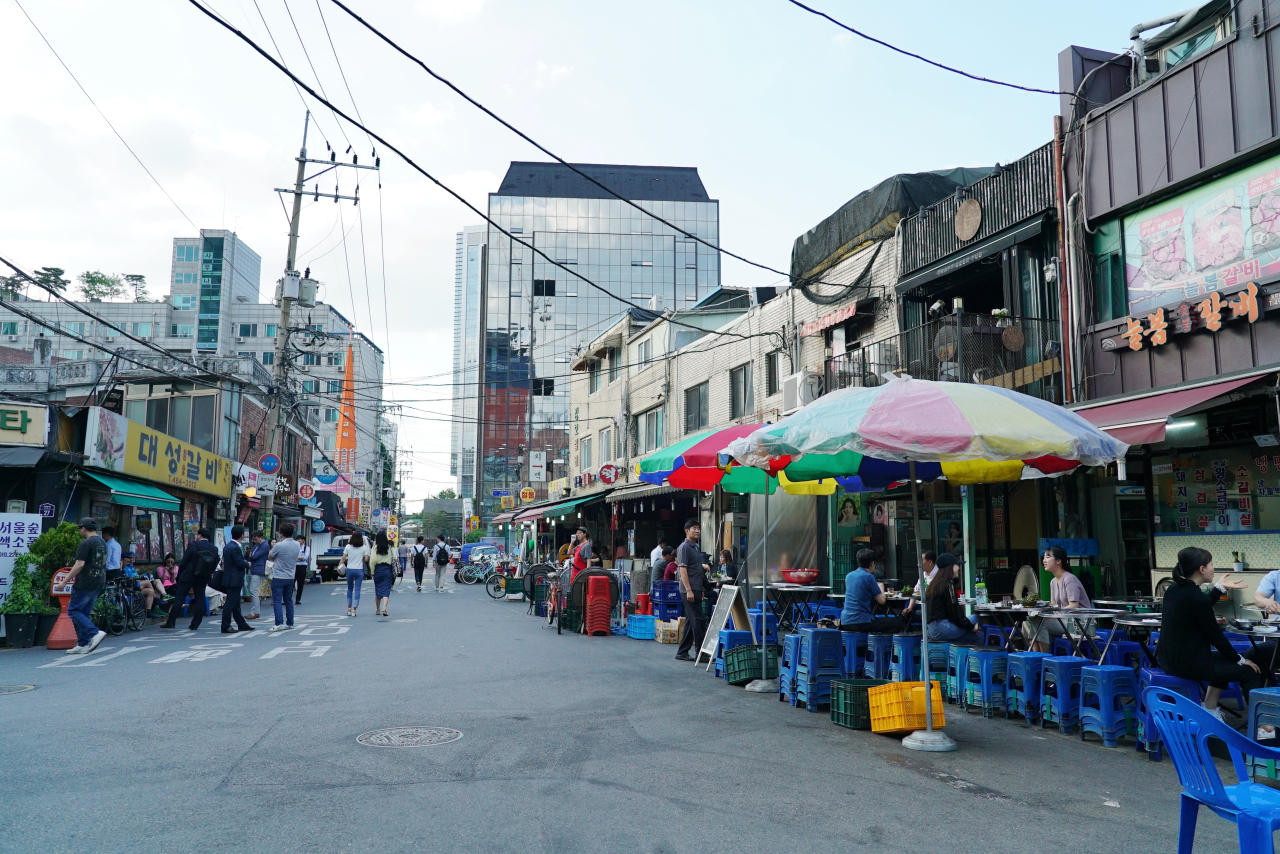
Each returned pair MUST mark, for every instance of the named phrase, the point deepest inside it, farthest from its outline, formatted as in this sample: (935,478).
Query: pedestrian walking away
(197,567)
(88,577)
(354,558)
(440,553)
(302,566)
(284,557)
(692,571)
(418,555)
(115,551)
(383,562)
(235,566)
(402,551)
(259,548)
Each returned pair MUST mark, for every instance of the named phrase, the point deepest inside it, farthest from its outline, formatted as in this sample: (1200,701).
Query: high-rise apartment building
(532,314)
(467,317)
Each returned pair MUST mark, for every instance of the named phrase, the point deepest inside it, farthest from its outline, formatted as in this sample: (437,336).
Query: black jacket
(234,566)
(1189,634)
(945,606)
(187,569)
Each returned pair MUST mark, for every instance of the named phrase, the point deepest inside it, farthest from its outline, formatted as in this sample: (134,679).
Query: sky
(785,116)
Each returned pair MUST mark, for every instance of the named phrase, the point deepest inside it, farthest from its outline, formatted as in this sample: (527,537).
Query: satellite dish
(1026,584)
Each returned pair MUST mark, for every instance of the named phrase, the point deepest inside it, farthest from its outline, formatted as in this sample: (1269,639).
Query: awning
(503,517)
(19,456)
(561,509)
(527,515)
(640,490)
(970,254)
(1142,421)
(135,493)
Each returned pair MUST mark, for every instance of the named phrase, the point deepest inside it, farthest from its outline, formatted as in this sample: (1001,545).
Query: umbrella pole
(764,594)
(926,739)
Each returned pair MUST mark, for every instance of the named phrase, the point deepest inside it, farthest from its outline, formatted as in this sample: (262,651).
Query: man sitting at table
(1265,597)
(861,595)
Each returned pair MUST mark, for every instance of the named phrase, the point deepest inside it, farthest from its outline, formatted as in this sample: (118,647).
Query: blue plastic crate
(668,610)
(667,592)
(640,626)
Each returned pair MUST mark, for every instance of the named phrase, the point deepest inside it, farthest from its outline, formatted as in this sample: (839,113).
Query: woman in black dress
(383,561)
(1192,644)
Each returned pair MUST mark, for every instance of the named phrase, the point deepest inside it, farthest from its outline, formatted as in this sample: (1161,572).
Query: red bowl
(800,576)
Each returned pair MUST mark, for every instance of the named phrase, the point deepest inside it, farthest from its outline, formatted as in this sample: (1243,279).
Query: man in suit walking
(234,566)
(197,567)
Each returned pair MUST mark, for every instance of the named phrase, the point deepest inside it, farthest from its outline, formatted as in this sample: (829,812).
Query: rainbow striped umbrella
(693,463)
(965,432)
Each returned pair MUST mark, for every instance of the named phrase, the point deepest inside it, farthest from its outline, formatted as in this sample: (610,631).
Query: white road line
(92,660)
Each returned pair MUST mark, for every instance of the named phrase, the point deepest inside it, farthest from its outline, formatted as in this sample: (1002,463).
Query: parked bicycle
(121,606)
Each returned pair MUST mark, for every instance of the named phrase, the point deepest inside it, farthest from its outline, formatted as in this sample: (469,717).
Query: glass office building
(536,313)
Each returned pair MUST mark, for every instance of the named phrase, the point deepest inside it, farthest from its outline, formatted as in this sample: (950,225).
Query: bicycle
(555,600)
(477,573)
(113,611)
(499,584)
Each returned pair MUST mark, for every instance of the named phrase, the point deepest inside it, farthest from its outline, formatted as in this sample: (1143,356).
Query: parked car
(455,553)
(472,552)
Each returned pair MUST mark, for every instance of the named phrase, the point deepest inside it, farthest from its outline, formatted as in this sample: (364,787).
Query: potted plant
(21,609)
(1237,561)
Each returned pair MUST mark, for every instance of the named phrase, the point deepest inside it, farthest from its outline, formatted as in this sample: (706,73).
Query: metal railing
(1020,353)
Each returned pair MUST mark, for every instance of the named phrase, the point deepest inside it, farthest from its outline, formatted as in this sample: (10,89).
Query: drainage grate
(409,736)
(16,689)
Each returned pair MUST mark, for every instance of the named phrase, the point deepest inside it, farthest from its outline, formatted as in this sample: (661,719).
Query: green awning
(135,493)
(559,509)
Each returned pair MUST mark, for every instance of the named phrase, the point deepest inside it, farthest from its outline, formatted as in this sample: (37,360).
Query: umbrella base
(763,686)
(931,741)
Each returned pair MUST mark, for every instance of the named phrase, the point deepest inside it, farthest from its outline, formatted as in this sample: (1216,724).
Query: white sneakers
(1216,712)
(279,627)
(90,646)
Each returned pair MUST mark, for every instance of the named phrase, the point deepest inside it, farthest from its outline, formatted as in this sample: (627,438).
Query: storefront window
(1224,489)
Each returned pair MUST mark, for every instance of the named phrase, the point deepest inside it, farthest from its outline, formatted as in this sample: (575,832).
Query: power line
(924,59)
(153,178)
(534,249)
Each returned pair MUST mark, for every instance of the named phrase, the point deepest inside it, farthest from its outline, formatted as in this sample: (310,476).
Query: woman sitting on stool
(947,620)
(1190,634)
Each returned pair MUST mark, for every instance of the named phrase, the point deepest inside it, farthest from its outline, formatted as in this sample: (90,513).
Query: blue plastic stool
(829,612)
(1060,692)
(822,651)
(997,636)
(1153,677)
(1108,702)
(813,690)
(938,653)
(771,623)
(1264,708)
(729,638)
(957,662)
(1124,653)
(904,661)
(855,651)
(1022,686)
(1104,635)
(1061,646)
(986,676)
(879,656)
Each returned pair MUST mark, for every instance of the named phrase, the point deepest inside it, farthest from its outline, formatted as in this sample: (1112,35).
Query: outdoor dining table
(1130,603)
(1011,617)
(1255,636)
(1065,615)
(787,596)
(1138,627)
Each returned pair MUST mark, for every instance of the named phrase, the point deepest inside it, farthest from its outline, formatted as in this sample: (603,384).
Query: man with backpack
(441,554)
(418,556)
(194,573)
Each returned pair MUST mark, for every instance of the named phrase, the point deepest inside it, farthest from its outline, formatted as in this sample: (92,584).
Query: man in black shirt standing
(89,574)
(691,573)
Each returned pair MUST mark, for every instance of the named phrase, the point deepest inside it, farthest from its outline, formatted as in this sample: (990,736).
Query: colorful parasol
(965,432)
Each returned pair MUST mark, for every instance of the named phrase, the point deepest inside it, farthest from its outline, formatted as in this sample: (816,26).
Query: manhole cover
(404,621)
(409,736)
(16,689)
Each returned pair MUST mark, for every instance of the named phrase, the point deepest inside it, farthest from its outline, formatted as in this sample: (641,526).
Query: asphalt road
(202,742)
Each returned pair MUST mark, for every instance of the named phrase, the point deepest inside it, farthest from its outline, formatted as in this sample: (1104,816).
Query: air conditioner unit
(13,337)
(239,340)
(110,339)
(800,389)
(304,368)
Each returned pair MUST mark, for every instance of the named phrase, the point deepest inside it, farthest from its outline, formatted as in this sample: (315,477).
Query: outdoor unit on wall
(800,389)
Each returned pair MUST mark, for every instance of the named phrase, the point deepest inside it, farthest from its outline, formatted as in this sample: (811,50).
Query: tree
(138,283)
(51,277)
(96,286)
(474,536)
(447,492)
(11,286)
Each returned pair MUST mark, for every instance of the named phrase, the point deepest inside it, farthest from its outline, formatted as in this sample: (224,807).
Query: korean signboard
(115,443)
(23,425)
(1214,239)
(17,532)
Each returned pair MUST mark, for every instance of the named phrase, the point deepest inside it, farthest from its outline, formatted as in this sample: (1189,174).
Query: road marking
(199,652)
(301,646)
(95,661)
(335,630)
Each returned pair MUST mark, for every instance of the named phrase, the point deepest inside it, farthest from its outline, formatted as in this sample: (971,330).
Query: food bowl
(800,576)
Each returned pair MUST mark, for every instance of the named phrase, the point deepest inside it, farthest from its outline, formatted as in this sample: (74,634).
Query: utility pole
(277,417)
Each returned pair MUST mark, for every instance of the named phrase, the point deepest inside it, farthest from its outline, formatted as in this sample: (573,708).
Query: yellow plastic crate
(899,707)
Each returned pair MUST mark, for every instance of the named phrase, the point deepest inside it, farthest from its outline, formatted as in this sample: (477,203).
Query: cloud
(548,74)
(451,11)
(842,39)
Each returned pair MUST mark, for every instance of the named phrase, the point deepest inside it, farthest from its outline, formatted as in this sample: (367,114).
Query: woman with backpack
(354,556)
(383,560)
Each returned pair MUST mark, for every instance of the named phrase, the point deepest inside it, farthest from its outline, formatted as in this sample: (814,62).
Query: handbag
(215,581)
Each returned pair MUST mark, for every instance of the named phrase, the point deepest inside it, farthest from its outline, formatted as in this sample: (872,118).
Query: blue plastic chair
(855,651)
(1185,728)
